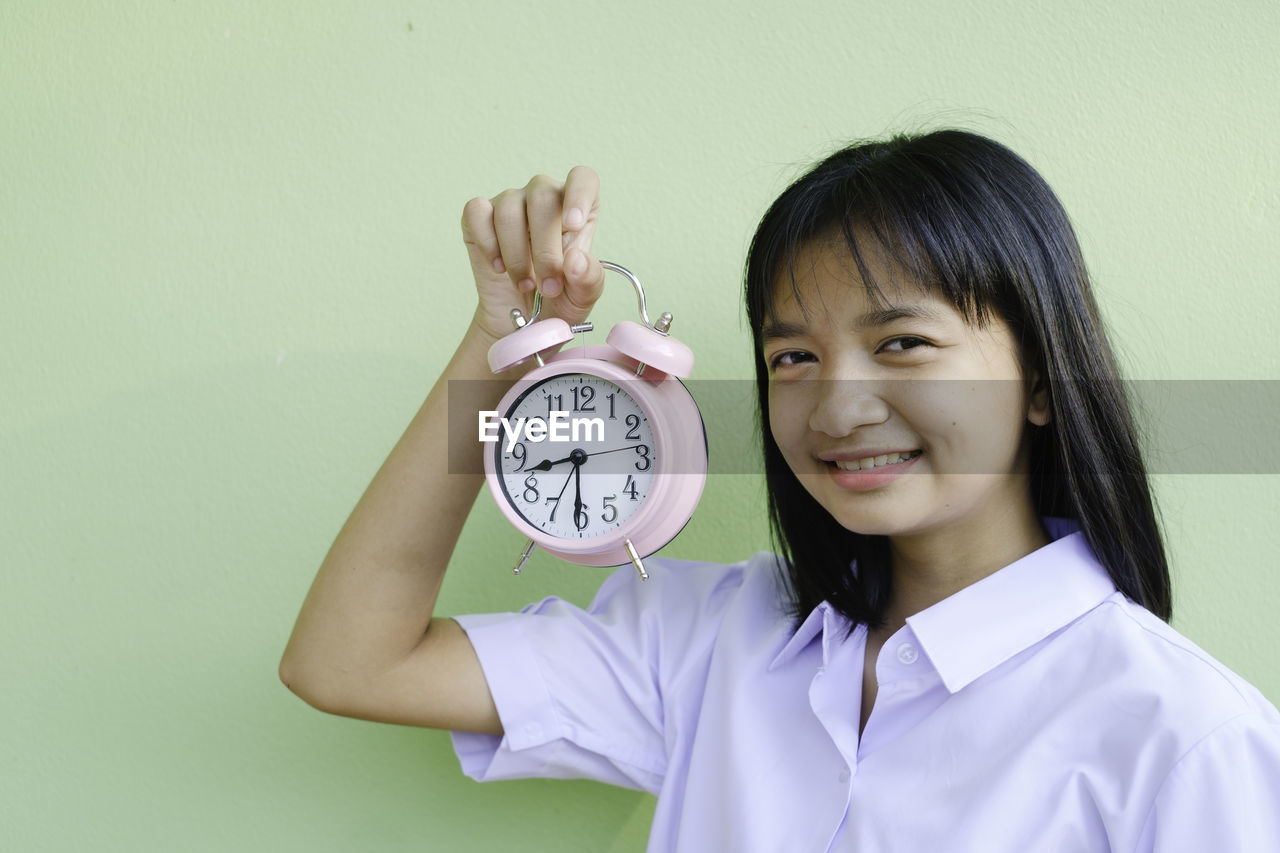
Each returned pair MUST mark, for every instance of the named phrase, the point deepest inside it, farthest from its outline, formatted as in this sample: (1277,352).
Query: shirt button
(844,775)
(907,653)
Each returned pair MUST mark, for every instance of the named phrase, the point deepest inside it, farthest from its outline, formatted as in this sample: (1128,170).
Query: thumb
(584,277)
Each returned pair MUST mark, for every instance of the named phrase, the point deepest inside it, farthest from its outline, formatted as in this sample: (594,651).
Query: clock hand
(547,464)
(577,493)
(559,496)
(614,450)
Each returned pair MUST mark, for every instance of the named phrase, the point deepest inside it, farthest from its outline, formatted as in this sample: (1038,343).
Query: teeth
(869,462)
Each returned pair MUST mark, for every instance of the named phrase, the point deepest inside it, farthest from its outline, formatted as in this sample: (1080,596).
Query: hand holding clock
(535,236)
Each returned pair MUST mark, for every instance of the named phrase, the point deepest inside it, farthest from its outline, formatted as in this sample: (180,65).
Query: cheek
(978,424)
(788,417)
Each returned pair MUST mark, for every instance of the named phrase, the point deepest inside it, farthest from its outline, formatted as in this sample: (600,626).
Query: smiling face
(897,415)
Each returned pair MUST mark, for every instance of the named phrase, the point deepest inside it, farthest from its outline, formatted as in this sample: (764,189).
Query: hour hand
(545,464)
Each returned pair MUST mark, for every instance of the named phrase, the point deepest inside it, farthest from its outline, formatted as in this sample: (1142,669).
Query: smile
(869,462)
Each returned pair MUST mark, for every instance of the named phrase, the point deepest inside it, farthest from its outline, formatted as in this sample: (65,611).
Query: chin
(866,514)
(871,526)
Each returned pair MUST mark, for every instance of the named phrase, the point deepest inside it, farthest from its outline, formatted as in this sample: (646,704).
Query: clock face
(575,456)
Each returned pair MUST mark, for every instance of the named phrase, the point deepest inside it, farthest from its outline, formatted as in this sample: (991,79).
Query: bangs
(950,233)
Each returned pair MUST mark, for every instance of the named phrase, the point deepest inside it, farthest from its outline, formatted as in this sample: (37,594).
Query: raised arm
(365,644)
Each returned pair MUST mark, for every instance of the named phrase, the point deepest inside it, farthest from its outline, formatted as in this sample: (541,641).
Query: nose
(843,405)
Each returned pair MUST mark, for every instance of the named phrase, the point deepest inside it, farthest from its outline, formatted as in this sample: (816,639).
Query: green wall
(230,269)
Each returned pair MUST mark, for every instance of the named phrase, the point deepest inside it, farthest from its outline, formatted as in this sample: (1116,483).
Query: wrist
(472,355)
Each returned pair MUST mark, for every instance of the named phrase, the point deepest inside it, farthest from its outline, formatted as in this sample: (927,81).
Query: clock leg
(524,558)
(635,559)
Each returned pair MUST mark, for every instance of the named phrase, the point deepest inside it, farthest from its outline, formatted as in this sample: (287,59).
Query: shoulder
(1166,732)
(1152,666)
(650,637)
(686,602)
(681,605)
(1220,791)
(697,585)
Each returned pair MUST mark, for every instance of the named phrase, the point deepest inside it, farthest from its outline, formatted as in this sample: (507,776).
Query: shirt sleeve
(588,693)
(1223,794)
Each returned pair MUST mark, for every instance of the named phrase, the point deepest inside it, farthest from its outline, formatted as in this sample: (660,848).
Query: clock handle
(635,282)
(660,327)
(609,265)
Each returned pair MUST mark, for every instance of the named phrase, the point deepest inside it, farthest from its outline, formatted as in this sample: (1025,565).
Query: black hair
(964,215)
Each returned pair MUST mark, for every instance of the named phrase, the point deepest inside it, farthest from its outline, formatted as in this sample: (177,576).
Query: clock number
(630,488)
(580,519)
(555,505)
(611,415)
(643,451)
(556,406)
(531,485)
(584,404)
(518,453)
(633,434)
(610,511)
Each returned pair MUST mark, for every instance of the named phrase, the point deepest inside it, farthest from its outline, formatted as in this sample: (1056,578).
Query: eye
(788,357)
(904,343)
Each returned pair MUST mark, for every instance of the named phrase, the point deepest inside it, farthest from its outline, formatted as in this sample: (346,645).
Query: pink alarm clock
(598,455)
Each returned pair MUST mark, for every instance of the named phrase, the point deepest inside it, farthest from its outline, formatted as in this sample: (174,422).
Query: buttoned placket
(835,695)
(908,690)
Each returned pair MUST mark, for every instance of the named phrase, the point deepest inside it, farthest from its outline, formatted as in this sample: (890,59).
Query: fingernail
(551,286)
(575,264)
(574,218)
(498,265)
(527,284)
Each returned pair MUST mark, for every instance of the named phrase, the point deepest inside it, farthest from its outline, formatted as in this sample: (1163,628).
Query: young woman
(963,644)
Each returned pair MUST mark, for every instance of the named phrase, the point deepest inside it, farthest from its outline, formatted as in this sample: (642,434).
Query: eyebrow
(775,329)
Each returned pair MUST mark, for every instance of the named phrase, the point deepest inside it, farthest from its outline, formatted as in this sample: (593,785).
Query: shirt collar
(823,619)
(985,624)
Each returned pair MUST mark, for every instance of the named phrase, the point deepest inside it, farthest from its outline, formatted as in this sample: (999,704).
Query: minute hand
(615,450)
(546,464)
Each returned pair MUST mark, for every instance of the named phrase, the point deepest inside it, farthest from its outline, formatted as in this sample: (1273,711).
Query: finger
(584,281)
(581,200)
(512,232)
(479,236)
(543,205)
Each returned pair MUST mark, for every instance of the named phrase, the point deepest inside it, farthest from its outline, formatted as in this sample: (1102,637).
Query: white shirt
(1036,710)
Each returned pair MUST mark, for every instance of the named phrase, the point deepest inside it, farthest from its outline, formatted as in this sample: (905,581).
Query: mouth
(869,463)
(872,472)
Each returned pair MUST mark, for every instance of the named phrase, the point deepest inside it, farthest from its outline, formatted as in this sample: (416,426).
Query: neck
(930,567)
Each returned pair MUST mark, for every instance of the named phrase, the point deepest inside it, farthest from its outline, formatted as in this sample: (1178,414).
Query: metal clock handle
(662,327)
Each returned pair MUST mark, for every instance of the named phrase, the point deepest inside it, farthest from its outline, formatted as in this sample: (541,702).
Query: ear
(1038,400)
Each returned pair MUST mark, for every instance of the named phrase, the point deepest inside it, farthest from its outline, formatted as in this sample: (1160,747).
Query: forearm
(371,602)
